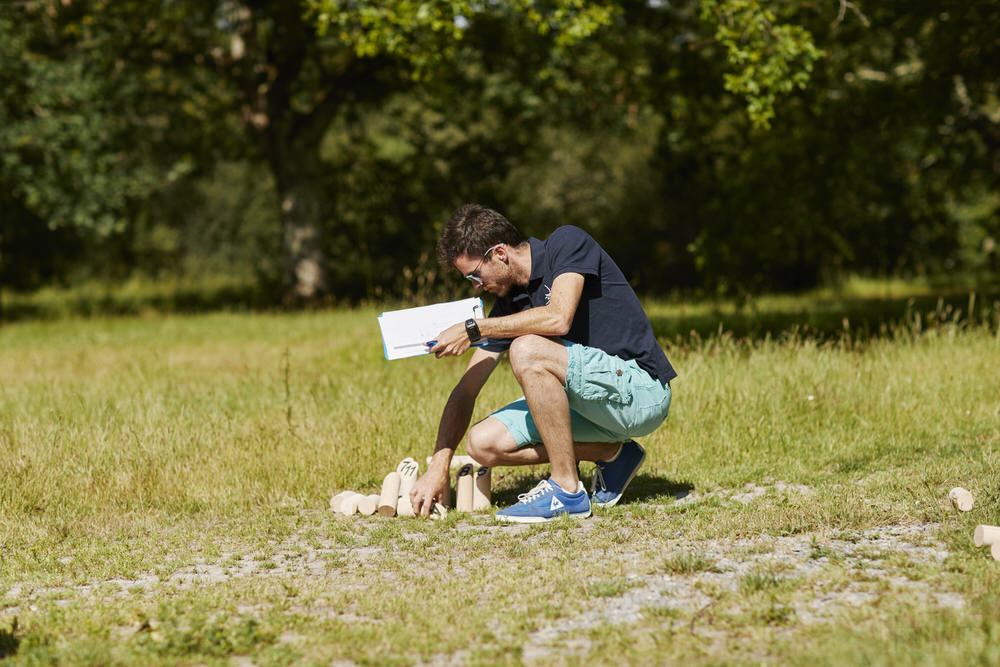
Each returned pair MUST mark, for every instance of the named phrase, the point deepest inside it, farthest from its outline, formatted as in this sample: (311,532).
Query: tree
(108,103)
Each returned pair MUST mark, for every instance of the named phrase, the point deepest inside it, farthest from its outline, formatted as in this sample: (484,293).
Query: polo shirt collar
(537,259)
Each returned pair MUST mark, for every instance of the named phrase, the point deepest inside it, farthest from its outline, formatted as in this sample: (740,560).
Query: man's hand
(452,342)
(431,486)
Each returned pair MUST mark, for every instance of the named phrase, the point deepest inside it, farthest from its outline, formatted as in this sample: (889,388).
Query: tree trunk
(267,71)
(303,205)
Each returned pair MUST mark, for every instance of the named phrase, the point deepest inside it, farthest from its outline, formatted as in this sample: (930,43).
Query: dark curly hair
(472,230)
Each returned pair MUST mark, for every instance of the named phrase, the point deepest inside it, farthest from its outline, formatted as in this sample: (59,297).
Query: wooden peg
(335,500)
(961,499)
(482,497)
(389,497)
(408,470)
(368,505)
(349,504)
(404,507)
(464,489)
(986,536)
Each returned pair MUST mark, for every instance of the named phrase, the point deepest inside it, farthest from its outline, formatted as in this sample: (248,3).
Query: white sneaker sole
(504,518)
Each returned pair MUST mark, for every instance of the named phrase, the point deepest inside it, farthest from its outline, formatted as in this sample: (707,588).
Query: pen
(401,347)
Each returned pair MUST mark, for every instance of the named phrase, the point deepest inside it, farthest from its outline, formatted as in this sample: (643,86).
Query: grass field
(164,484)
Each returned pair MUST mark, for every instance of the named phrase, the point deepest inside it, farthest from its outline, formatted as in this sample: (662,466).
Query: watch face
(472,329)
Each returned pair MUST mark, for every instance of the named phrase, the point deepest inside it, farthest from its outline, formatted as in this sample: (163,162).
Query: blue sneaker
(546,502)
(612,477)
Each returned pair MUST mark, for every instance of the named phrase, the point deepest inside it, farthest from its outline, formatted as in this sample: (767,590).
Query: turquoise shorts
(610,400)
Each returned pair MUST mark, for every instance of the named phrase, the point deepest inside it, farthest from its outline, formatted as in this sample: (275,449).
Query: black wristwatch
(472,329)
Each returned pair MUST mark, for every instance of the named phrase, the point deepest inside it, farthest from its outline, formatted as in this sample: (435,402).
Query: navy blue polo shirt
(609,316)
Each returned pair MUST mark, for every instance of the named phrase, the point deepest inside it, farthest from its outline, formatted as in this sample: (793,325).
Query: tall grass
(143,444)
(230,412)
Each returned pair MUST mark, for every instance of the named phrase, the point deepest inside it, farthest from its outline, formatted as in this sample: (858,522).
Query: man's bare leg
(491,444)
(539,365)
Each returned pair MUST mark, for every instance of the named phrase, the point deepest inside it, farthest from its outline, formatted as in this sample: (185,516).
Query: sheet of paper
(405,333)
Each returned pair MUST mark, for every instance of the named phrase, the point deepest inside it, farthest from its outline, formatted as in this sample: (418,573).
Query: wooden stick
(389,497)
(482,497)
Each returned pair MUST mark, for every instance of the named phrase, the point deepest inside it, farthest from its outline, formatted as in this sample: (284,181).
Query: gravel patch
(790,557)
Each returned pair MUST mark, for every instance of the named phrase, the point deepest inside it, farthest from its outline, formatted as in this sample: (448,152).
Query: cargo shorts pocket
(594,375)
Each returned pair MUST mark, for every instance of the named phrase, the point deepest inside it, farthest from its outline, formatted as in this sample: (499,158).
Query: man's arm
(555,319)
(433,485)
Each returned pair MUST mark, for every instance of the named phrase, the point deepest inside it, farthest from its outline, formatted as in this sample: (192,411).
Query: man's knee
(488,441)
(532,353)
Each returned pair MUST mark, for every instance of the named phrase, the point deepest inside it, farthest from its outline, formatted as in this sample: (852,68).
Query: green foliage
(730,146)
(425,34)
(87,132)
(66,158)
(770,58)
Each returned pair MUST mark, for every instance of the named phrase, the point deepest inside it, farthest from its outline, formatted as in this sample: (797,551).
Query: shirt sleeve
(573,250)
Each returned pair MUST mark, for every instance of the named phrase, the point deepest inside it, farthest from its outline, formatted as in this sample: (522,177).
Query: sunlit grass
(135,450)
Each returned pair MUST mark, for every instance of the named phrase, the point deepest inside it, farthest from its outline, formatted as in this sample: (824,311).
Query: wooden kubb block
(482,494)
(988,536)
(961,499)
(465,485)
(368,505)
(457,461)
(408,470)
(389,496)
(404,507)
(348,505)
(335,500)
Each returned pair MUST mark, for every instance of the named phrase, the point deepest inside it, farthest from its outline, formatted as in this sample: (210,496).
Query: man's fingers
(422,506)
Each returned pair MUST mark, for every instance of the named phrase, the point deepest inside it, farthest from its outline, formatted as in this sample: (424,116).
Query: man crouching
(580,346)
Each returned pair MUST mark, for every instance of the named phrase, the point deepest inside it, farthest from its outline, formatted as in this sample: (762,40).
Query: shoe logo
(556,504)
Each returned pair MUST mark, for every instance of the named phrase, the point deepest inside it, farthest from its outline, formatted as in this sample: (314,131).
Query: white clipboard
(405,333)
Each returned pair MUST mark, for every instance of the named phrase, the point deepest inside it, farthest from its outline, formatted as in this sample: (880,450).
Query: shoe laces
(597,481)
(540,488)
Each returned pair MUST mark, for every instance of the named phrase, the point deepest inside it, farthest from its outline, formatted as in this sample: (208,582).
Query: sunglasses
(474,276)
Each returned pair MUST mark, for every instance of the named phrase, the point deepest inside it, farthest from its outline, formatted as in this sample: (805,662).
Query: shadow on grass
(861,318)
(96,302)
(649,487)
(968,300)
(643,488)
(9,643)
